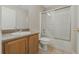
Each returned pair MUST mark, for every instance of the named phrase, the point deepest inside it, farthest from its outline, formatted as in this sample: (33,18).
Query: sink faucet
(20,30)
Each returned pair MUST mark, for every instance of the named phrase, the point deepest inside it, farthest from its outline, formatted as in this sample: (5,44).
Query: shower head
(48,14)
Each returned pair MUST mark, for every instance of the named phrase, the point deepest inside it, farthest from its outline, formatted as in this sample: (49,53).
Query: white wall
(0,33)
(77,42)
(34,18)
(0,42)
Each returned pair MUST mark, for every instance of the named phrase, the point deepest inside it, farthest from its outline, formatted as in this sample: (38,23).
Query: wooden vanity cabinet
(33,44)
(24,45)
(17,46)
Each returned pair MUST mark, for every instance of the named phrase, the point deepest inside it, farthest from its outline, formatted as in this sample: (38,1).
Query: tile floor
(53,51)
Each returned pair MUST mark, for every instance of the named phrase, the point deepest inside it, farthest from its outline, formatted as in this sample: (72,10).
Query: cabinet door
(26,45)
(33,44)
(15,47)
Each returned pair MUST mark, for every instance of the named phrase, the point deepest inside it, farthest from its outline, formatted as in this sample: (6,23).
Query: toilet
(44,42)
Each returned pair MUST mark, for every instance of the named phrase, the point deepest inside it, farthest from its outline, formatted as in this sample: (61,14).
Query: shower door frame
(55,10)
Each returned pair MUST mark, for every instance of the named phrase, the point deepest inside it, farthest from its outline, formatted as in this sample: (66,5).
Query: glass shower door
(57,24)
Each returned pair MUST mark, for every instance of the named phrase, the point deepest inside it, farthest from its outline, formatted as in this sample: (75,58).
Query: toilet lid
(45,39)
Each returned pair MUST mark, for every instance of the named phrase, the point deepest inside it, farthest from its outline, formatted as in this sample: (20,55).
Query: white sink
(21,33)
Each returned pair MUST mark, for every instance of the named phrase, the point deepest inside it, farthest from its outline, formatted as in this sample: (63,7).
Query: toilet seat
(44,40)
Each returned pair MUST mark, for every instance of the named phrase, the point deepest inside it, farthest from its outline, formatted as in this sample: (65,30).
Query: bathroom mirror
(14,17)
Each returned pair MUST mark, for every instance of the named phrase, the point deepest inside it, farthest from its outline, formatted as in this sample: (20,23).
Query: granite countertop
(11,36)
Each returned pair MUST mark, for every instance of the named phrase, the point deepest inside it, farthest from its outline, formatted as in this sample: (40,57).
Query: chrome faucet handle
(20,30)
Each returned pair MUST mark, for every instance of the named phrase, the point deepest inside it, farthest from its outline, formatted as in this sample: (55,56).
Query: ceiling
(45,7)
